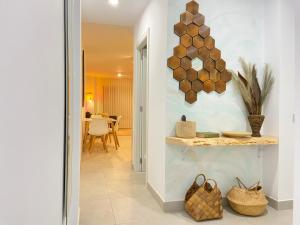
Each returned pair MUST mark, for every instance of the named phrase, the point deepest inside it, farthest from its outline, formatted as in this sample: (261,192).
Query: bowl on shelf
(207,135)
(236,134)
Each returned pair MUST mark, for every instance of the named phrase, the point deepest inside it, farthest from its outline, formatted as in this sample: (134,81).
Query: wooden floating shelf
(222,141)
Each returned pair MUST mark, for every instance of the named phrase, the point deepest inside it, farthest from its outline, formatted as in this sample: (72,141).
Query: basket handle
(256,185)
(206,181)
(200,175)
(240,183)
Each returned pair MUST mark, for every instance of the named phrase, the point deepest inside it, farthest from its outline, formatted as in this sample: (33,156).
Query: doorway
(142,99)
(107,140)
(104,170)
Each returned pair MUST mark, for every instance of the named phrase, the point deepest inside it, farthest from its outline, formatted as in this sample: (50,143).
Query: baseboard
(155,195)
(280,205)
(166,206)
(175,206)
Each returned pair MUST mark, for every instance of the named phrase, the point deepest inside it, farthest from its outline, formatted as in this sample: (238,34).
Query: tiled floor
(112,194)
(124,132)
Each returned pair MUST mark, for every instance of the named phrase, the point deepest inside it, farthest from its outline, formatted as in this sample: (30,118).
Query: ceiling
(100,11)
(108,50)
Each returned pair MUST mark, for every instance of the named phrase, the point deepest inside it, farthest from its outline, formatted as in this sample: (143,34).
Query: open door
(143,101)
(141,105)
(73,107)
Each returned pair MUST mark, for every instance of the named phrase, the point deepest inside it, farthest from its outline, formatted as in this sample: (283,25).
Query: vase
(256,122)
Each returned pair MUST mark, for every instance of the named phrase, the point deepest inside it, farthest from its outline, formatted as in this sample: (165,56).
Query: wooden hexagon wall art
(196,42)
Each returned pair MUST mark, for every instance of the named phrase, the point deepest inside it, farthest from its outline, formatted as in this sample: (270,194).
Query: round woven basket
(247,210)
(247,201)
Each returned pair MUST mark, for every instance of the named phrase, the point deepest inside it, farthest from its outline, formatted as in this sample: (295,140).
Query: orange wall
(112,96)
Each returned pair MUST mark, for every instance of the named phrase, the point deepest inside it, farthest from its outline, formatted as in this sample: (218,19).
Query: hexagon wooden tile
(196,42)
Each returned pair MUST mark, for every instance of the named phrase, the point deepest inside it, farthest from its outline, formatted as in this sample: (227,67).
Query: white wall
(271,126)
(237,32)
(32,112)
(261,38)
(286,100)
(155,18)
(279,53)
(297,125)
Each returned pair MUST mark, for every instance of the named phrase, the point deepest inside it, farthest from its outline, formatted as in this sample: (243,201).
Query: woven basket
(247,201)
(195,186)
(205,203)
(186,129)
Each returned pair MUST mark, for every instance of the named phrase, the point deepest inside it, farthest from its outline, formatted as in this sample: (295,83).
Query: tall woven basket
(195,186)
(205,203)
(247,201)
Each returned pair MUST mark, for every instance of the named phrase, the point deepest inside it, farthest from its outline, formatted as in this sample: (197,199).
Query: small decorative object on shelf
(253,95)
(205,203)
(256,122)
(247,201)
(236,134)
(185,129)
(207,135)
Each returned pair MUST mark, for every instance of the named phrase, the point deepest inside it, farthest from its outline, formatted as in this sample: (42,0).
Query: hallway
(112,194)
(109,187)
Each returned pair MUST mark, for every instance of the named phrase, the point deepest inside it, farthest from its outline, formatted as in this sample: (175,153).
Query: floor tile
(96,212)
(112,194)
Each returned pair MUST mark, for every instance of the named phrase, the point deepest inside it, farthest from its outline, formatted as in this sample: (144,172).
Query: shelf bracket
(259,152)
(184,151)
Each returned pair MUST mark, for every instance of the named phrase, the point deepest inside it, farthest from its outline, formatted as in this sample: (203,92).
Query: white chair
(98,128)
(113,131)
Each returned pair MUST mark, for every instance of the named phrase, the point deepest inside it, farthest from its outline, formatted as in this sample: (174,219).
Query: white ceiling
(108,50)
(100,11)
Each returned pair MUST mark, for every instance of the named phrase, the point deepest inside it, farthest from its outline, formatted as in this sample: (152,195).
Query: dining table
(111,123)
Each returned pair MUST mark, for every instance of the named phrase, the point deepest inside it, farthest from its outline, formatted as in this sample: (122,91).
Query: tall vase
(256,122)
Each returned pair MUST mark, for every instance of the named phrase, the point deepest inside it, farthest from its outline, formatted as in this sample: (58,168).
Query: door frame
(136,151)
(73,111)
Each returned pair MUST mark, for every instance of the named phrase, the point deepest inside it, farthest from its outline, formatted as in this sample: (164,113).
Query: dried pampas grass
(248,85)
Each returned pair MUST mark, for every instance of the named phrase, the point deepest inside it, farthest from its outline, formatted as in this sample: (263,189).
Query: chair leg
(83,145)
(86,133)
(115,140)
(97,149)
(92,141)
(104,143)
(109,138)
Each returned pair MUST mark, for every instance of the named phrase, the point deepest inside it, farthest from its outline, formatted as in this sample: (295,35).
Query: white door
(73,98)
(143,96)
